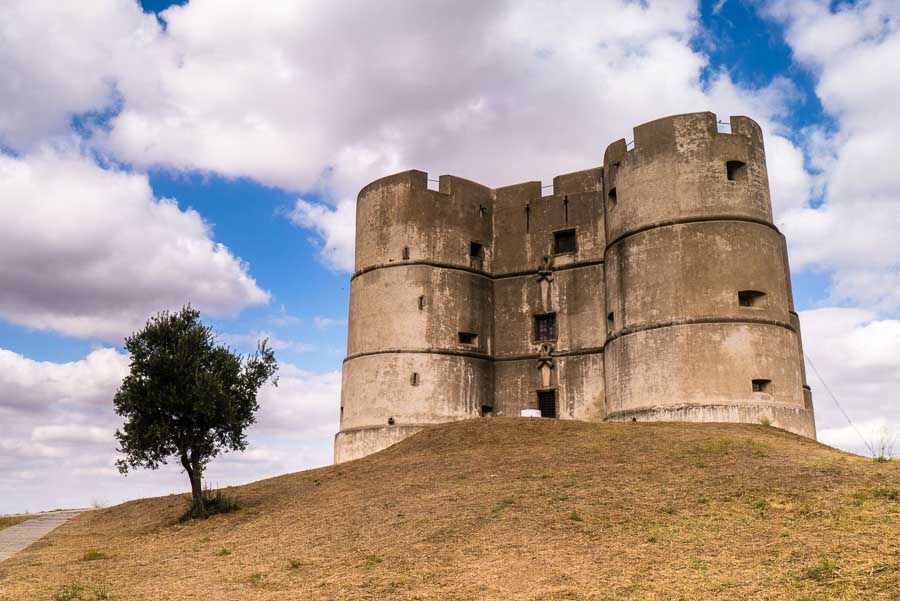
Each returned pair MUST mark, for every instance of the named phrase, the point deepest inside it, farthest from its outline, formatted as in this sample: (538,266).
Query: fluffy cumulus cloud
(851,49)
(57,426)
(89,251)
(495,91)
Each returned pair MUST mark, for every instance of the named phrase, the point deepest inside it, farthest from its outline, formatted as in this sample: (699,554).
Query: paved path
(18,537)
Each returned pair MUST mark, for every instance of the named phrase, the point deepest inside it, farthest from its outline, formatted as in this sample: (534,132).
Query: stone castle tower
(653,288)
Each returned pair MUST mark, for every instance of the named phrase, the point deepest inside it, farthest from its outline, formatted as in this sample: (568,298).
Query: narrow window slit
(527,218)
(751,298)
(761,385)
(405,253)
(421,302)
(414,379)
(468,338)
(612,198)
(736,171)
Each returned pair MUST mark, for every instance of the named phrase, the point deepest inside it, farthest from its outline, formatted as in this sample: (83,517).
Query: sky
(154,154)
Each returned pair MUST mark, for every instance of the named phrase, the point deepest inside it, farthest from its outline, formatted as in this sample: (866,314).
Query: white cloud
(91,252)
(57,422)
(35,386)
(498,92)
(323,323)
(859,357)
(250,340)
(852,51)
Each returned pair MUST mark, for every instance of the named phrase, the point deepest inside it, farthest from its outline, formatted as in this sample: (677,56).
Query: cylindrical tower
(421,312)
(699,311)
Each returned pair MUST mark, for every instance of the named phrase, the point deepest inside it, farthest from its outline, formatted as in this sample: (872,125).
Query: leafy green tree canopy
(187,397)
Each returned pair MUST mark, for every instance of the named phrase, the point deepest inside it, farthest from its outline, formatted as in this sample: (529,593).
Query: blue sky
(154,155)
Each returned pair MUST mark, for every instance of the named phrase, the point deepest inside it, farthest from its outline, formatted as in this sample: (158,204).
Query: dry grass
(508,508)
(11,520)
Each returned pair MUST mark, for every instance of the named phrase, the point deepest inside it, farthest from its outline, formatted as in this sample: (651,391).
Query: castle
(652,288)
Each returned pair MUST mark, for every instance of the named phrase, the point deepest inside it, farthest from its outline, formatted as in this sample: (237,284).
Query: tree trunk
(194,473)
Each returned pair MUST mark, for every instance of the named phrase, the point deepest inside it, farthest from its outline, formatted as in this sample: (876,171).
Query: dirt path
(18,537)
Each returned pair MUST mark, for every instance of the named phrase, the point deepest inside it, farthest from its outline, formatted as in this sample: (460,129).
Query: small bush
(668,508)
(884,492)
(822,570)
(93,555)
(651,539)
(765,420)
(223,552)
(255,579)
(373,560)
(574,516)
(858,499)
(70,592)
(294,564)
(216,501)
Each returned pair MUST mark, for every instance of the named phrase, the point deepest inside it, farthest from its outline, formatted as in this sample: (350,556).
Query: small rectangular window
(610,320)
(547,402)
(405,253)
(751,298)
(421,303)
(476,250)
(612,198)
(545,327)
(487,411)
(761,385)
(564,242)
(468,338)
(736,171)
(414,379)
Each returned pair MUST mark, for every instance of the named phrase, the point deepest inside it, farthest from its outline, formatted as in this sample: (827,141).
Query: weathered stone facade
(655,287)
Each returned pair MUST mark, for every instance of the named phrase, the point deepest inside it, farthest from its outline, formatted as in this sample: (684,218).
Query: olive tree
(187,397)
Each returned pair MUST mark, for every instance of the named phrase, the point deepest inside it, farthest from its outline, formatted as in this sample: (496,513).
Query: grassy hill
(508,508)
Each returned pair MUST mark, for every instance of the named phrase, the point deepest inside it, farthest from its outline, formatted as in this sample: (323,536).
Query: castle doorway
(547,403)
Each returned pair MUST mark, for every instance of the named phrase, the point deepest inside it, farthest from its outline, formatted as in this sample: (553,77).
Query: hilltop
(510,508)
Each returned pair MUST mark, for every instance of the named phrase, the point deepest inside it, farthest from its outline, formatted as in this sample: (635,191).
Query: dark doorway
(547,403)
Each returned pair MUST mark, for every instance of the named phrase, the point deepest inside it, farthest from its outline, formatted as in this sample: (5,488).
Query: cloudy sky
(210,152)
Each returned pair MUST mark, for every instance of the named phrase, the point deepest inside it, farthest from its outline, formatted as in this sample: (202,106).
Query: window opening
(487,410)
(564,242)
(736,171)
(610,320)
(545,326)
(751,298)
(421,302)
(390,421)
(612,198)
(468,338)
(547,402)
(761,385)
(566,208)
(476,250)
(527,218)
(481,211)
(414,379)
(405,253)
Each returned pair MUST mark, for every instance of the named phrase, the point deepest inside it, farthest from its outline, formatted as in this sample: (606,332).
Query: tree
(187,397)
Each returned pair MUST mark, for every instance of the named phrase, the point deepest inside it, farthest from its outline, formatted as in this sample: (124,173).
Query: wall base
(353,444)
(793,419)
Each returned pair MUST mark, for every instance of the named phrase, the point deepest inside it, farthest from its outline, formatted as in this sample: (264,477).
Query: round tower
(421,314)
(699,310)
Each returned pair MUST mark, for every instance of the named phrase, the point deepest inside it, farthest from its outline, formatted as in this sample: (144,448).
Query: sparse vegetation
(765,420)
(574,516)
(421,518)
(825,568)
(11,520)
(93,555)
(215,502)
(255,579)
(884,445)
(77,592)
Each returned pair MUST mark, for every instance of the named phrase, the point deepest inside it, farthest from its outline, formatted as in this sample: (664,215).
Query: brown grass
(508,508)
(11,520)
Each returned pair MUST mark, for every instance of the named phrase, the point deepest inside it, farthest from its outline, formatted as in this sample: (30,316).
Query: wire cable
(834,398)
